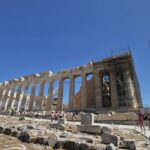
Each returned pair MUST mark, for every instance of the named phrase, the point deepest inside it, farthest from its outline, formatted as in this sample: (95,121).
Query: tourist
(52,116)
(73,117)
(141,122)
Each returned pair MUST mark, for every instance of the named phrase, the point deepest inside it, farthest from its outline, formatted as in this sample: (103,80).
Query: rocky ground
(40,134)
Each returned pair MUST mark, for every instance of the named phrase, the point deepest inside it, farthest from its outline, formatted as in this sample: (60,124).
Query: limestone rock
(92,129)
(97,147)
(84,146)
(40,140)
(108,139)
(59,145)
(57,126)
(62,120)
(130,144)
(71,145)
(30,127)
(51,140)
(22,118)
(2,129)
(15,133)
(7,131)
(111,147)
(87,119)
(106,129)
(24,137)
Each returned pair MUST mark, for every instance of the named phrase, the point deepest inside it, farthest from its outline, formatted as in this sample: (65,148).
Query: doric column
(60,95)
(11,98)
(130,90)
(50,95)
(41,94)
(1,95)
(113,87)
(84,92)
(24,97)
(4,99)
(71,93)
(17,102)
(32,95)
(98,90)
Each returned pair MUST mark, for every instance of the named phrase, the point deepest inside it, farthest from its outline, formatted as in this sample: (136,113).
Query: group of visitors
(56,115)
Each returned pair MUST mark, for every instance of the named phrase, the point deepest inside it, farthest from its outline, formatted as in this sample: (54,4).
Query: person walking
(141,122)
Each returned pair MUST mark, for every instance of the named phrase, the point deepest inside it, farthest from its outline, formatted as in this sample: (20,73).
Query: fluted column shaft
(71,93)
(16,100)
(41,94)
(113,87)
(98,90)
(1,96)
(84,92)
(24,99)
(17,103)
(10,99)
(50,95)
(4,98)
(32,95)
(60,95)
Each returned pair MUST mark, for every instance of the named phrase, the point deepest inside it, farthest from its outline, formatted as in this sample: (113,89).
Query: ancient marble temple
(114,87)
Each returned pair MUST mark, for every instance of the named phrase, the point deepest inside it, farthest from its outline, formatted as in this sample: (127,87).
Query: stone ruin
(115,88)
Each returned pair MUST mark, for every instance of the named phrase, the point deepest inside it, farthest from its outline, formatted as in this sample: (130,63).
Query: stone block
(57,126)
(92,129)
(7,131)
(87,119)
(62,120)
(108,139)
(71,145)
(111,147)
(106,129)
(24,137)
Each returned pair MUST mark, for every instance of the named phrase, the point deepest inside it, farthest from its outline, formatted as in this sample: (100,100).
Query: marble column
(18,95)
(4,99)
(41,94)
(1,95)
(130,90)
(24,98)
(98,90)
(50,95)
(60,95)
(9,100)
(84,93)
(113,88)
(71,93)
(32,96)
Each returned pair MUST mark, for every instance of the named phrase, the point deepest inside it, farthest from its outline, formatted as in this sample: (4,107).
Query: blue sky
(38,35)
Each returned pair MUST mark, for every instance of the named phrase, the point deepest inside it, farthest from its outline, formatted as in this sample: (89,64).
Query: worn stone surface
(24,137)
(93,129)
(84,146)
(2,129)
(106,129)
(108,139)
(52,137)
(57,126)
(111,147)
(71,145)
(87,119)
(7,131)
(62,120)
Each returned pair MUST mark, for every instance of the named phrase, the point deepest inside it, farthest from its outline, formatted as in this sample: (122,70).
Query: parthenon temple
(114,87)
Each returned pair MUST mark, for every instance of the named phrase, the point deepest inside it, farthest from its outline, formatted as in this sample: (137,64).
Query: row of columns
(7,94)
